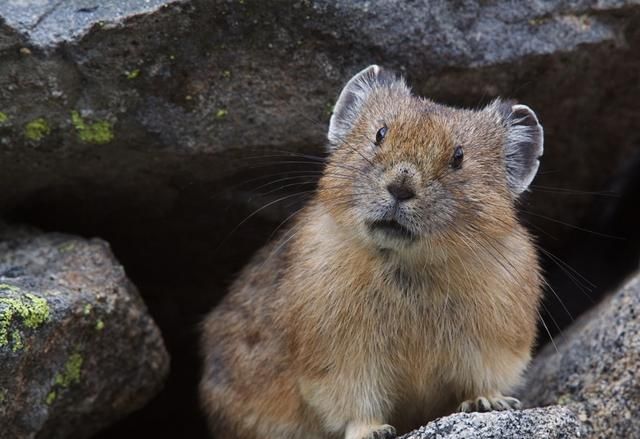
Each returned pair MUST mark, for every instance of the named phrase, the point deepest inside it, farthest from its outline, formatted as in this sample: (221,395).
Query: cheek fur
(437,210)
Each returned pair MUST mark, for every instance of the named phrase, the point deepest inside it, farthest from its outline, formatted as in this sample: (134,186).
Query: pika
(406,288)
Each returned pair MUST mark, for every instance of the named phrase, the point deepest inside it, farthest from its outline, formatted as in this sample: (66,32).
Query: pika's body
(404,289)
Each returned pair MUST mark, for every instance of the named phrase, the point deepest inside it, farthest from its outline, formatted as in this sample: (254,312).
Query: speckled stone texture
(540,423)
(596,368)
(77,347)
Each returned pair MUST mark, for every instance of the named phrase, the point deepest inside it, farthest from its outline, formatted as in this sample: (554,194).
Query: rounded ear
(524,147)
(353,96)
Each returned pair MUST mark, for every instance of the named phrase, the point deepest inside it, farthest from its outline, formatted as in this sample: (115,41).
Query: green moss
(3,117)
(565,399)
(133,74)
(51,397)
(17,340)
(67,247)
(32,310)
(87,309)
(99,325)
(3,396)
(98,132)
(71,373)
(10,288)
(37,129)
(221,113)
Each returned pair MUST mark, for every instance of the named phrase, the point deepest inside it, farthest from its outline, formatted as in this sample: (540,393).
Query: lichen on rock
(132,74)
(71,372)
(60,365)
(37,129)
(51,397)
(99,132)
(30,310)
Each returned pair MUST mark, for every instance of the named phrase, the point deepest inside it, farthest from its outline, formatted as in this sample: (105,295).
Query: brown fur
(332,331)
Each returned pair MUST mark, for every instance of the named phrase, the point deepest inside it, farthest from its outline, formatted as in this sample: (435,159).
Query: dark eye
(458,155)
(380,135)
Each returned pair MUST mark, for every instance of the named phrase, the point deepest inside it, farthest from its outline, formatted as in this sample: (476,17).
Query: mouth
(392,228)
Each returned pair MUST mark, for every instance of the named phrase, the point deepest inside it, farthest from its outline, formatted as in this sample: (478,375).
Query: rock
(540,423)
(78,350)
(594,370)
(182,92)
(48,23)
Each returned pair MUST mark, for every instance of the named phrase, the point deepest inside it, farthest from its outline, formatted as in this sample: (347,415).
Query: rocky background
(159,125)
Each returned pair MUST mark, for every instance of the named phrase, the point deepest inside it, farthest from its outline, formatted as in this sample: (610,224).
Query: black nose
(401,192)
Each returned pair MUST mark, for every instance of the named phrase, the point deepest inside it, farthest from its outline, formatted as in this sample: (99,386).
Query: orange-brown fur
(328,334)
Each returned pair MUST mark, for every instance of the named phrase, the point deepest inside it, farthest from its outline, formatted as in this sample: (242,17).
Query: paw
(382,432)
(482,404)
(368,431)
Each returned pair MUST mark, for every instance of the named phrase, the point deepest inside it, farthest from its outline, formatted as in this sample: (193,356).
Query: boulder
(78,349)
(593,367)
(151,97)
(541,423)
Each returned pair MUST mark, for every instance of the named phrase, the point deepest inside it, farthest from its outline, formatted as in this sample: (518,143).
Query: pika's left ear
(524,146)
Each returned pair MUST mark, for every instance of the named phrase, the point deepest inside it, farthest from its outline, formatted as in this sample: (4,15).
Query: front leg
(347,405)
(489,374)
(373,430)
(487,404)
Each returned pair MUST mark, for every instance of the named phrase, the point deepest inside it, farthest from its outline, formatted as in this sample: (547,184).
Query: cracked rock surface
(77,347)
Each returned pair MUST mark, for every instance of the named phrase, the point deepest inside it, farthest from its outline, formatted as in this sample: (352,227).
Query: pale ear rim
(525,133)
(517,108)
(524,185)
(333,134)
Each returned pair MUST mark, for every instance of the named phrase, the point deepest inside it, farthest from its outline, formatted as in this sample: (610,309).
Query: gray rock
(48,23)
(594,370)
(185,91)
(540,423)
(77,347)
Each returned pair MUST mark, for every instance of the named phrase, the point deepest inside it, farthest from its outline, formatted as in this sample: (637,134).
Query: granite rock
(540,423)
(78,350)
(593,368)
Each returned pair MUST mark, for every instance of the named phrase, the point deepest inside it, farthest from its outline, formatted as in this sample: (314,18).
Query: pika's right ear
(524,147)
(351,99)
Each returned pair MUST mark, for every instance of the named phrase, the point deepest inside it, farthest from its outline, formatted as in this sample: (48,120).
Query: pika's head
(404,169)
